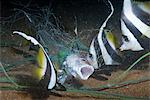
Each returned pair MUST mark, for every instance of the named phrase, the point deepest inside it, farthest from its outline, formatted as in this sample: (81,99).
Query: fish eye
(108,31)
(90,55)
(125,38)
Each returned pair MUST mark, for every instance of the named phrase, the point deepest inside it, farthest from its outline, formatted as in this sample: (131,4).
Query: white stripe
(44,64)
(53,76)
(93,52)
(107,59)
(143,28)
(132,44)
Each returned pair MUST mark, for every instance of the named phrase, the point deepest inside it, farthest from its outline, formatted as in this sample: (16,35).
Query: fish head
(79,66)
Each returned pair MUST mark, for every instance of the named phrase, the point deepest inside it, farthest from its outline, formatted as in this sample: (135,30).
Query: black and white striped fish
(135,28)
(104,50)
(135,25)
(45,72)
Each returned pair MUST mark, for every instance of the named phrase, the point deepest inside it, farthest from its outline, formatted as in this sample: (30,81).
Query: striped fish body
(135,28)
(104,51)
(45,72)
(135,25)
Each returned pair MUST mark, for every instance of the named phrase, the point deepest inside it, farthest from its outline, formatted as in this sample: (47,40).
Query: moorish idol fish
(135,28)
(105,52)
(135,25)
(45,71)
(104,47)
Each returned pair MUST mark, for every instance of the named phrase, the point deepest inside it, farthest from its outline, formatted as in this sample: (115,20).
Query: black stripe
(100,60)
(143,16)
(143,40)
(47,77)
(45,80)
(48,73)
(110,50)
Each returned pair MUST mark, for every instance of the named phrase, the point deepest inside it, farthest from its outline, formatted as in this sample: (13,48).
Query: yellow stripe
(111,38)
(40,58)
(42,64)
(38,73)
(147,5)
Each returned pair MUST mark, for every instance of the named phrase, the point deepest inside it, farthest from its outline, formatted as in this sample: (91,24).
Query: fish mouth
(85,72)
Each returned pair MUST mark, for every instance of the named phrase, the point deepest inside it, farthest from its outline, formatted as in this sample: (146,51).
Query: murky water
(87,16)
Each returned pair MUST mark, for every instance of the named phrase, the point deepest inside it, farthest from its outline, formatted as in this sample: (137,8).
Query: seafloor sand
(137,90)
